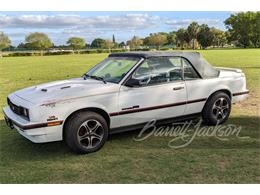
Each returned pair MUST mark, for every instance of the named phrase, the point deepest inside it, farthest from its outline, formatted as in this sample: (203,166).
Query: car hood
(65,89)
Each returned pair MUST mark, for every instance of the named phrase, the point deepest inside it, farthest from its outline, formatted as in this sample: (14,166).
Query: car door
(160,92)
(197,88)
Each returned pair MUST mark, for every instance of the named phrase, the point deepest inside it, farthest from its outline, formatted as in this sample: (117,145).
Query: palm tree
(182,37)
(193,30)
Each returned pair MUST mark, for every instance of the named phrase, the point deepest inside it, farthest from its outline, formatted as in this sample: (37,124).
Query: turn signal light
(55,123)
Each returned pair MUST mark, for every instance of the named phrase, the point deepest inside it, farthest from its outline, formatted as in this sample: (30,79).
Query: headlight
(19,110)
(26,112)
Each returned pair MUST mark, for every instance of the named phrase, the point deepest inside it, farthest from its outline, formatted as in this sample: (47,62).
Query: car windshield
(112,69)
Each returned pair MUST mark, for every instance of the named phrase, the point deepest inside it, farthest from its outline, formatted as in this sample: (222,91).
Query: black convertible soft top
(195,58)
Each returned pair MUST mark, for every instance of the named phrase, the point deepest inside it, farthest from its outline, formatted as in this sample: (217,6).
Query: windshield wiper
(94,77)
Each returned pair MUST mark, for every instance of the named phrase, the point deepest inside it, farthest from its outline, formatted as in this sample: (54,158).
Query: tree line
(243,30)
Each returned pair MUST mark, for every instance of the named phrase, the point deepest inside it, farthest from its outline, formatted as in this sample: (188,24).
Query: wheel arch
(228,92)
(100,111)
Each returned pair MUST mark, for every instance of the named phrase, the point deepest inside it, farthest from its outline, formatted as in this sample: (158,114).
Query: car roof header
(147,54)
(195,58)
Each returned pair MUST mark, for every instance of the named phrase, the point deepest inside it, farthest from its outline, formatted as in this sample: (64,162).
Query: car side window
(177,73)
(188,71)
(158,70)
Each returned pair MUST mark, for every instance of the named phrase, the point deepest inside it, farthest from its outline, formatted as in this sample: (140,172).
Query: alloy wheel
(220,109)
(90,134)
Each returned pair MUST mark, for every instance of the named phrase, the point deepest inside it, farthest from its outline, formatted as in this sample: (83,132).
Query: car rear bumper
(240,96)
(35,132)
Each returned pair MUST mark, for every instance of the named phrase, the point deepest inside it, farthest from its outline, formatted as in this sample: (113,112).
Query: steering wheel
(145,81)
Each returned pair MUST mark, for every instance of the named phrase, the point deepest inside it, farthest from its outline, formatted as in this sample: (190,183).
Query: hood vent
(65,87)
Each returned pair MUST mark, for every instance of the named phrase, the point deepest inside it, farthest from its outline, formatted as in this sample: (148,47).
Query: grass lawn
(123,160)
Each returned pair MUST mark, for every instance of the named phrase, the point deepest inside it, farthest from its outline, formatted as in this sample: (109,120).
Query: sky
(59,26)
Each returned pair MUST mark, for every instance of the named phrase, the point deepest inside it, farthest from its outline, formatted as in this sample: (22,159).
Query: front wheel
(217,109)
(86,132)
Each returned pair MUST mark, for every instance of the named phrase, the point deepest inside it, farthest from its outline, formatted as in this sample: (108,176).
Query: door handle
(178,88)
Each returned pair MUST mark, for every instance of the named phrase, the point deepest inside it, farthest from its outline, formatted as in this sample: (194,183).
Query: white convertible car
(124,92)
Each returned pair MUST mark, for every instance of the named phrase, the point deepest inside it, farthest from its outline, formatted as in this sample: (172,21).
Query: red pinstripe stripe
(241,93)
(156,107)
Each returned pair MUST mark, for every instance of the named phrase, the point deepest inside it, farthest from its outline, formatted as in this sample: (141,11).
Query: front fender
(83,105)
(61,111)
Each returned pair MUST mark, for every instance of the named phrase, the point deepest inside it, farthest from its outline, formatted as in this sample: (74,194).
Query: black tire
(213,112)
(79,133)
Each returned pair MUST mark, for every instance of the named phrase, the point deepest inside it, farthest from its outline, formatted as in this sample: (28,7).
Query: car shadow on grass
(12,142)
(247,137)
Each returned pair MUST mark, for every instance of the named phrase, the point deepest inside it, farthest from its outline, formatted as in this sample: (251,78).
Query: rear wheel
(217,109)
(86,132)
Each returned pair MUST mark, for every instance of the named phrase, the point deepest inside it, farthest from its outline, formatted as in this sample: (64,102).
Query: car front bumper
(35,132)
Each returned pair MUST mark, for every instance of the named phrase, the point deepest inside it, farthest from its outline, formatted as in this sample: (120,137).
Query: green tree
(122,44)
(98,43)
(39,41)
(219,37)
(157,39)
(172,38)
(135,42)
(193,30)
(256,32)
(87,45)
(146,41)
(115,45)
(244,28)
(21,46)
(205,36)
(182,37)
(108,45)
(4,42)
(76,43)
(113,39)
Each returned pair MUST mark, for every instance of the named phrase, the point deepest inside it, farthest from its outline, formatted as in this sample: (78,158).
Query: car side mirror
(132,83)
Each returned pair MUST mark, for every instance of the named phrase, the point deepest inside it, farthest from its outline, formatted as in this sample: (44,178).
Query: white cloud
(62,26)
(176,24)
(128,21)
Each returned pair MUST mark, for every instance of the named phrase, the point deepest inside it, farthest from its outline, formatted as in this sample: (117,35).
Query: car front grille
(19,110)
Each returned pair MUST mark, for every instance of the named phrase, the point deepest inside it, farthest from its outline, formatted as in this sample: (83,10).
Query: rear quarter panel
(203,88)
